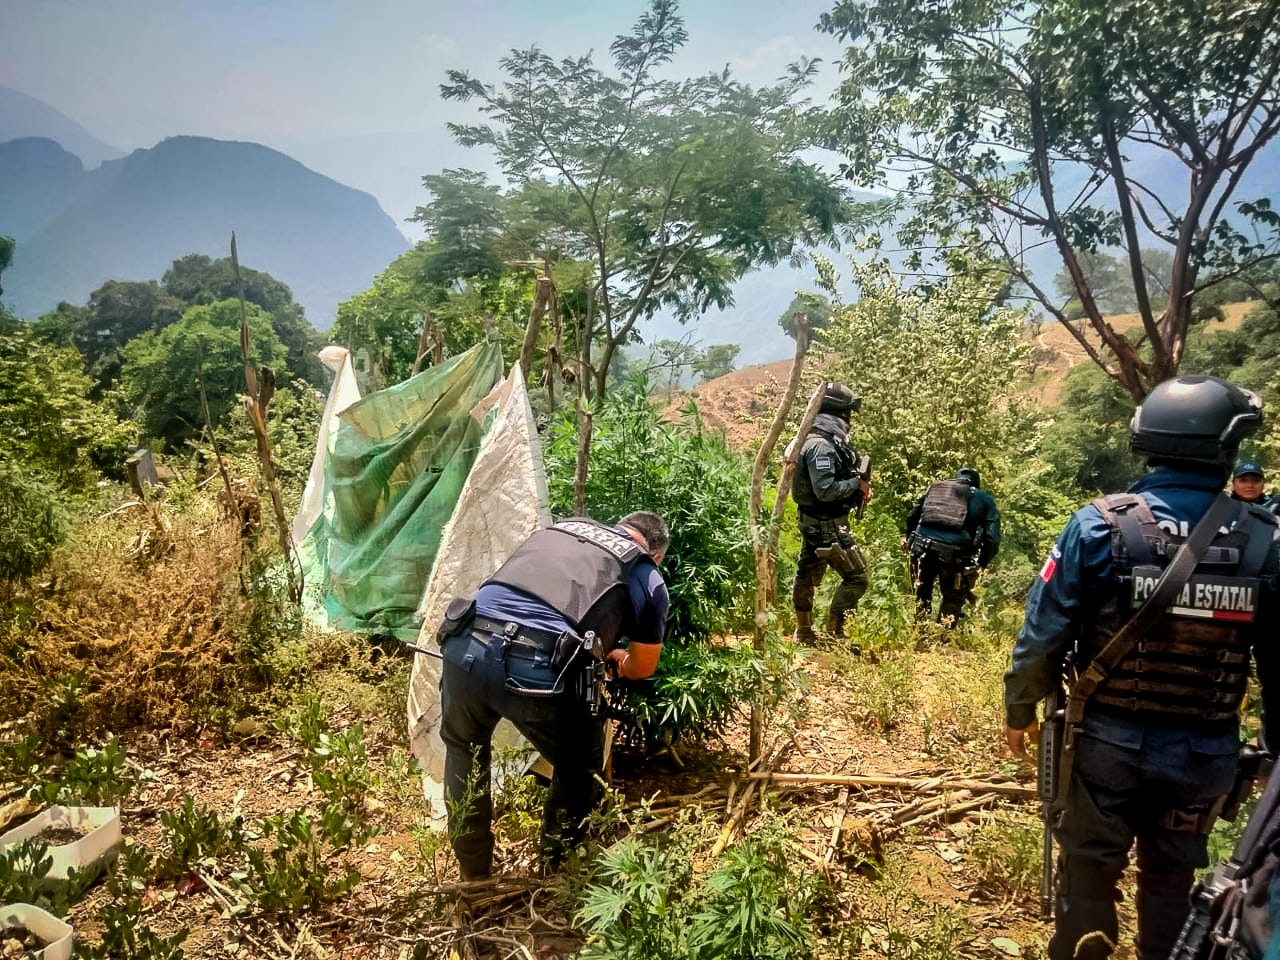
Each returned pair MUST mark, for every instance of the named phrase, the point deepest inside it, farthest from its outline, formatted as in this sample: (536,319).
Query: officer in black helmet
(830,481)
(953,531)
(1157,743)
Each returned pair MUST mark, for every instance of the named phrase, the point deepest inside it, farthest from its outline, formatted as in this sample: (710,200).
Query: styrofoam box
(100,827)
(55,933)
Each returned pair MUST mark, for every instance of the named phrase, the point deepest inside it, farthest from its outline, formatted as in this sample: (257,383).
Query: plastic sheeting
(393,473)
(503,500)
(342,394)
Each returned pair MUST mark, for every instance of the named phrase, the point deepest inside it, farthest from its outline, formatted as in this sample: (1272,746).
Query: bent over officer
(1157,748)
(571,591)
(829,483)
(953,531)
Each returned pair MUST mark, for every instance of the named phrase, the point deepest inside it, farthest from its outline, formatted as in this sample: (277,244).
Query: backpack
(946,505)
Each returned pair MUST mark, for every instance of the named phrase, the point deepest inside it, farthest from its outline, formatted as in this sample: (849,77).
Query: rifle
(863,470)
(1049,786)
(1213,928)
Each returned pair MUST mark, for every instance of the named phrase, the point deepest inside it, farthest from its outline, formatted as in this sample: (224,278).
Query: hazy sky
(350,87)
(299,74)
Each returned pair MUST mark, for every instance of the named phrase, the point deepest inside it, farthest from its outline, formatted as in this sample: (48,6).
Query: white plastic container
(55,933)
(100,837)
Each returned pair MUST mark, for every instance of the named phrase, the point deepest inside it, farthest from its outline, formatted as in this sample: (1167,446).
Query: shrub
(687,474)
(32,525)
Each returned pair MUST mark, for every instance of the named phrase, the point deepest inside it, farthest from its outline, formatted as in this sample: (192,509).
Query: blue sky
(351,89)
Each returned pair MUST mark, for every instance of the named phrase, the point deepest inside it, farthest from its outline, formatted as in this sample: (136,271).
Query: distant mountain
(22,116)
(130,218)
(39,179)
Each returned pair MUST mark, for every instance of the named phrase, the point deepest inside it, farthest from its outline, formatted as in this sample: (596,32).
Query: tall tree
(672,189)
(1027,123)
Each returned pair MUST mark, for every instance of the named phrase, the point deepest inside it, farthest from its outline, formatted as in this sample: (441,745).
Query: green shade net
(391,482)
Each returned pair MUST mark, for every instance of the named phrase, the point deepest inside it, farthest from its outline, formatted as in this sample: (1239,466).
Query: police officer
(1247,484)
(952,532)
(1160,735)
(570,592)
(830,481)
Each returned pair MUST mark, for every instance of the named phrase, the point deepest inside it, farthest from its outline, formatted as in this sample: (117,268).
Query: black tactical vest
(580,568)
(946,505)
(844,460)
(1194,662)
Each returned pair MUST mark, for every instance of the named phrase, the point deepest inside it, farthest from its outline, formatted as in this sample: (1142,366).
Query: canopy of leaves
(32,524)
(1021,124)
(197,279)
(162,368)
(50,423)
(671,189)
(815,308)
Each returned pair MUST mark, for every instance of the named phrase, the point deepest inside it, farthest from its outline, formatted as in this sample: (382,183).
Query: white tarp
(342,394)
(503,501)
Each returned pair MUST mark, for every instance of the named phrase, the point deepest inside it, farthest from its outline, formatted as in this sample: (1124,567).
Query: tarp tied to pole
(395,469)
(504,500)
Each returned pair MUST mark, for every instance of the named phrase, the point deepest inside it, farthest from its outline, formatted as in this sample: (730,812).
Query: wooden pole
(760,538)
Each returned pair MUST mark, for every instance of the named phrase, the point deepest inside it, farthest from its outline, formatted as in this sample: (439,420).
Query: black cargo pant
(475,695)
(815,534)
(1144,785)
(951,570)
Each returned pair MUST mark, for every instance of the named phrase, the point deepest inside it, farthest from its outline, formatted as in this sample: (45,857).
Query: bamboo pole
(760,534)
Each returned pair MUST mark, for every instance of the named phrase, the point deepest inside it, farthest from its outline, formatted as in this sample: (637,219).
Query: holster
(835,555)
(457,618)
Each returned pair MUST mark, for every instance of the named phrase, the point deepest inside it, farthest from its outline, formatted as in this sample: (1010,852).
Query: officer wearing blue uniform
(1248,484)
(953,531)
(1160,735)
(827,486)
(524,650)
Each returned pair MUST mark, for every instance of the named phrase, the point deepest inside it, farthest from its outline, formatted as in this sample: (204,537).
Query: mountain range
(130,218)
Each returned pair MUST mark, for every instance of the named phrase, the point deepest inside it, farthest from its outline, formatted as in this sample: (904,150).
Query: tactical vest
(1194,662)
(580,568)
(844,461)
(946,505)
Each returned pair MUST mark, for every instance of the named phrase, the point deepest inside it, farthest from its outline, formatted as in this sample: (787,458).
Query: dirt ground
(410,902)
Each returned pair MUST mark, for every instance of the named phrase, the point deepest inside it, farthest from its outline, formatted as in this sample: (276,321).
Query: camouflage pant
(810,568)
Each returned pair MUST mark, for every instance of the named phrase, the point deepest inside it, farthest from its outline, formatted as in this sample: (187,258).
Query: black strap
(1173,578)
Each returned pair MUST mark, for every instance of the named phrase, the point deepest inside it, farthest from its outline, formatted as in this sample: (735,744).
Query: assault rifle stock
(1047,782)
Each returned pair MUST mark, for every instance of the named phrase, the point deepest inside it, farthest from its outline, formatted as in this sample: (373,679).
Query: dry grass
(140,606)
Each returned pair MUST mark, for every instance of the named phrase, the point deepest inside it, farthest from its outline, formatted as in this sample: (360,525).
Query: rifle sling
(1171,581)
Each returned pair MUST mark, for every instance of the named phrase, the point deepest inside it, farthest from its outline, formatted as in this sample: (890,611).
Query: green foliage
(1086,441)
(125,934)
(293,423)
(1008,854)
(644,902)
(1012,124)
(51,424)
(92,777)
(815,308)
(193,835)
(688,475)
(197,279)
(160,367)
(33,524)
(671,189)
(295,871)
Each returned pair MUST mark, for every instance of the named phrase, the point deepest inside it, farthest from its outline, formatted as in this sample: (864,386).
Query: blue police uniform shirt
(1081,563)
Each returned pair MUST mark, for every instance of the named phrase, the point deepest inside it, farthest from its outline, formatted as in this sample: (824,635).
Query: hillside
(130,218)
(742,401)
(22,116)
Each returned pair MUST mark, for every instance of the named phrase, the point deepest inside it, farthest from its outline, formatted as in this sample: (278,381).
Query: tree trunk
(543,291)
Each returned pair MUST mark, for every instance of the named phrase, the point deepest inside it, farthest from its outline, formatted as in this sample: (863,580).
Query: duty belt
(520,640)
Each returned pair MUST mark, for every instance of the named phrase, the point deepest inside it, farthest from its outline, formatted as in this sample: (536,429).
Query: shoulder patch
(1050,565)
(822,461)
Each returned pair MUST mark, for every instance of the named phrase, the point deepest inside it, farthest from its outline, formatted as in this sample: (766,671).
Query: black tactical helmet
(970,476)
(1194,419)
(839,400)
